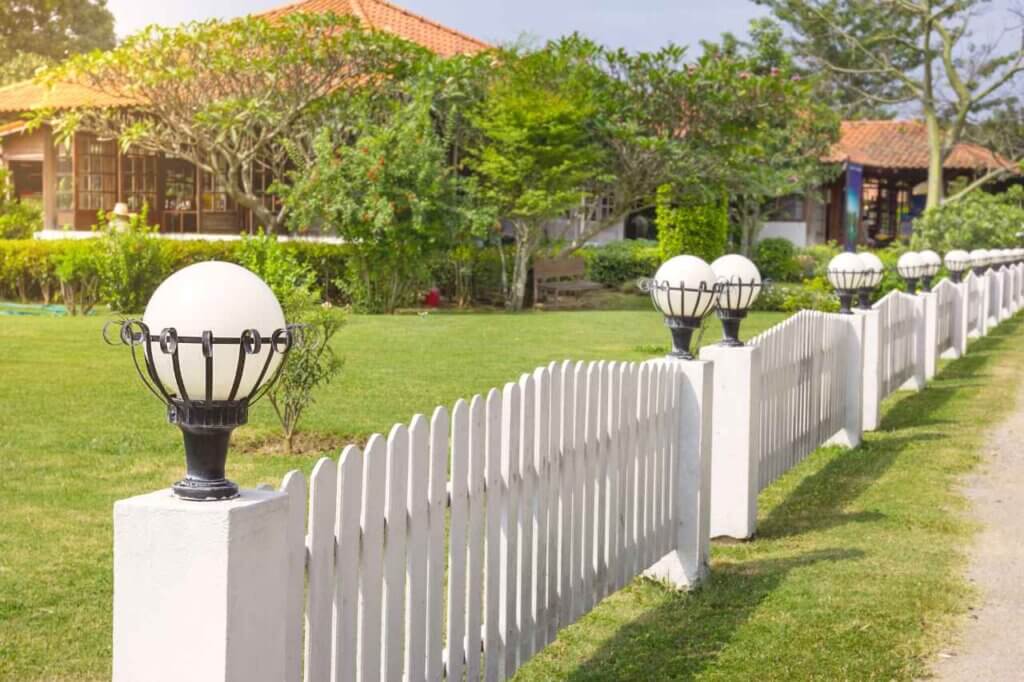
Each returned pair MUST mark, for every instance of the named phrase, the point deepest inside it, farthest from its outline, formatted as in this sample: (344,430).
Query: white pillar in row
(872,385)
(199,588)
(930,321)
(736,440)
(689,562)
(853,429)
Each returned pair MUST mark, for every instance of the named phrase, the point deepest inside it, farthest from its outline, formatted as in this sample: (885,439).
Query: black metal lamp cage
(735,296)
(682,323)
(206,424)
(847,283)
(911,274)
(864,292)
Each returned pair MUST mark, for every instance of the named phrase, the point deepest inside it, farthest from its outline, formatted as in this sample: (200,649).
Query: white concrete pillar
(736,440)
(853,430)
(930,311)
(871,391)
(199,588)
(688,564)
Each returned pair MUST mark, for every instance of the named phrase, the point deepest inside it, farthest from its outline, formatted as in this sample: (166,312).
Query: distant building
(74,182)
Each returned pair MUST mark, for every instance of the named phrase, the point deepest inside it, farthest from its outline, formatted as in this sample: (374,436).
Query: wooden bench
(560,276)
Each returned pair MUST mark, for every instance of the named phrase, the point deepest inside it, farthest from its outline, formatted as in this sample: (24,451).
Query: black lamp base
(731,320)
(846,301)
(682,334)
(864,299)
(207,434)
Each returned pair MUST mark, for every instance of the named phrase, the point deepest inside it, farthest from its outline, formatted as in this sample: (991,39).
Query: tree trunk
(935,158)
(525,245)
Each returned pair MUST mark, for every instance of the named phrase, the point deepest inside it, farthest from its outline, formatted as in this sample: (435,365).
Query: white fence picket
(480,412)
(320,593)
(417,550)
(371,563)
(294,485)
(436,554)
(346,573)
(457,540)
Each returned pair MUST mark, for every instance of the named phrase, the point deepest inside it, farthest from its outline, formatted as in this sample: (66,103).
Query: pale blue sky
(635,24)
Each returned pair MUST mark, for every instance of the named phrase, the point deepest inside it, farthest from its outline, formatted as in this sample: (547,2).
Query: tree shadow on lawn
(686,634)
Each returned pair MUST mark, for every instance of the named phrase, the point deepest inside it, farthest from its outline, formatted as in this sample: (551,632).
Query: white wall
(793,231)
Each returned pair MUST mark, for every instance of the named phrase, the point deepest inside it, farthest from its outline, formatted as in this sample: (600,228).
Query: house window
(65,179)
(138,180)
(789,209)
(97,174)
(215,196)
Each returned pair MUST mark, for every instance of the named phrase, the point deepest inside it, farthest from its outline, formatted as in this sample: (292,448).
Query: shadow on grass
(684,635)
(687,633)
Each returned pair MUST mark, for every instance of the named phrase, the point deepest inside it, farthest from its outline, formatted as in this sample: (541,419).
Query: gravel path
(991,646)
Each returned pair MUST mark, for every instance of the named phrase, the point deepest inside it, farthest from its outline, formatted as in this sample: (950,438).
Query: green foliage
(813,294)
(131,263)
(691,226)
(977,221)
(54,30)
(78,268)
(27,270)
(618,263)
(813,260)
(776,259)
(311,363)
(18,219)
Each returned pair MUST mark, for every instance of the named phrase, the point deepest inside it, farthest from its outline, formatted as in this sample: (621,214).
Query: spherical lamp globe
(874,271)
(846,273)
(911,267)
(739,285)
(684,291)
(931,264)
(957,262)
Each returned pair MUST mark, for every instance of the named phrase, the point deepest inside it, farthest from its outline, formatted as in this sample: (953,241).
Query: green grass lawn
(853,576)
(78,431)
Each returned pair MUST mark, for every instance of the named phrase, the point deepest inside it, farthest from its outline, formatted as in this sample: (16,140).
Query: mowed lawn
(78,431)
(855,573)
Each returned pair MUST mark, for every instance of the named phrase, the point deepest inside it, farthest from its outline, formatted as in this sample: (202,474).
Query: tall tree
(895,52)
(238,96)
(38,33)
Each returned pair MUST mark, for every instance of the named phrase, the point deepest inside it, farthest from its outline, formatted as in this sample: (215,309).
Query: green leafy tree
(536,153)
(898,52)
(978,221)
(693,225)
(234,97)
(39,33)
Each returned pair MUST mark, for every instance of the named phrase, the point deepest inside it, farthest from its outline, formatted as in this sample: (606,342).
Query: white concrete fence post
(930,311)
(871,390)
(689,562)
(200,588)
(735,443)
(853,429)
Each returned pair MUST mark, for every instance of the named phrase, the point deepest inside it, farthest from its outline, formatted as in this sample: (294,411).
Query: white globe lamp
(212,341)
(846,273)
(739,285)
(979,261)
(931,264)
(684,291)
(911,268)
(957,262)
(874,271)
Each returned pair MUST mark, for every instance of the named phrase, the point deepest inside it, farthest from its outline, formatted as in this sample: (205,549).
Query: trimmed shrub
(618,263)
(776,260)
(27,270)
(977,221)
(77,266)
(689,226)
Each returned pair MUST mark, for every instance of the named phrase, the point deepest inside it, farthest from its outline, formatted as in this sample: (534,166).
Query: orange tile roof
(384,16)
(904,145)
(31,96)
(377,14)
(12,128)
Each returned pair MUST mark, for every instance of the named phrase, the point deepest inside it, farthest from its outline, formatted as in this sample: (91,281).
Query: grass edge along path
(856,570)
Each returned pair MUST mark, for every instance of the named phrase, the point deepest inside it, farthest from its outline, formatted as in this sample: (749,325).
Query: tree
(39,33)
(536,153)
(227,96)
(894,52)
(788,136)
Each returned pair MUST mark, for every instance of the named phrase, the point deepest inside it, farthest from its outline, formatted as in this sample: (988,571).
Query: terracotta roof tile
(903,144)
(31,96)
(384,16)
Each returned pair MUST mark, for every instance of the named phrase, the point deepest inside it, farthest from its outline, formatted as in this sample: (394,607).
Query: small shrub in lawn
(131,264)
(77,267)
(813,260)
(622,262)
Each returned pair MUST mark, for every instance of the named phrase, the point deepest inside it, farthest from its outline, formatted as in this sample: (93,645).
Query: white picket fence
(458,546)
(530,504)
(898,341)
(802,390)
(947,295)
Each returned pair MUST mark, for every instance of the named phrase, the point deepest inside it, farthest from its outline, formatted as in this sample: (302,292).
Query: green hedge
(691,226)
(28,267)
(621,262)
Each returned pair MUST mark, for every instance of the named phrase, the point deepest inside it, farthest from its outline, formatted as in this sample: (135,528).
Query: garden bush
(776,260)
(977,221)
(813,294)
(27,270)
(621,262)
(813,260)
(691,226)
(78,268)
(18,219)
